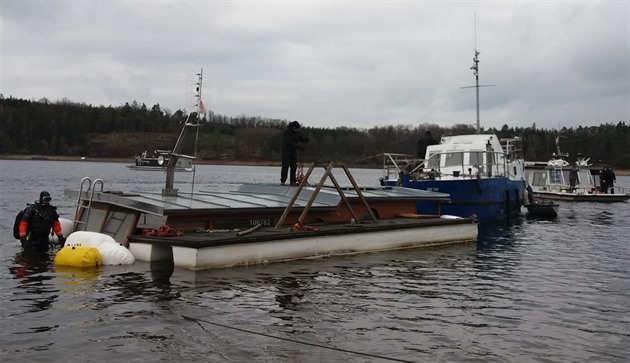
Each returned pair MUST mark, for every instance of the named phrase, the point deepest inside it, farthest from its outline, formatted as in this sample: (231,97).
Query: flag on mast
(202,107)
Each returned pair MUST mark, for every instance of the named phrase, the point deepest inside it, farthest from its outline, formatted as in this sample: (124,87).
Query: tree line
(66,128)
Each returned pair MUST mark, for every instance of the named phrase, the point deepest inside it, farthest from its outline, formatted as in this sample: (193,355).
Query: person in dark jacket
(607,178)
(37,221)
(292,141)
(423,142)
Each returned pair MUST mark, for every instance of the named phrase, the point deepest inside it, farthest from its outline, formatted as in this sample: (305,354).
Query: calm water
(530,291)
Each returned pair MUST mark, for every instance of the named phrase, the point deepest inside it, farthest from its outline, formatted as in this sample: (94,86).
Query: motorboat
(157,160)
(483,175)
(558,179)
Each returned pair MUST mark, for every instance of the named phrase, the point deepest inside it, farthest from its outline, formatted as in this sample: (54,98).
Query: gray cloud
(329,64)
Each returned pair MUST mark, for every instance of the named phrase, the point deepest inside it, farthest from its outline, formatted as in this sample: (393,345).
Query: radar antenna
(475,69)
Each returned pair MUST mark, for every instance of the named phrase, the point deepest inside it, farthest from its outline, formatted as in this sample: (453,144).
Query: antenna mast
(475,69)
(198,95)
(189,125)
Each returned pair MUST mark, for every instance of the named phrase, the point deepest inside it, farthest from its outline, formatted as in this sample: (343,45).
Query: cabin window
(585,177)
(476,158)
(565,174)
(539,179)
(555,176)
(434,161)
(454,159)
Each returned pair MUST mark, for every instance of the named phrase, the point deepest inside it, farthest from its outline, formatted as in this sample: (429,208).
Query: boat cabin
(555,178)
(462,156)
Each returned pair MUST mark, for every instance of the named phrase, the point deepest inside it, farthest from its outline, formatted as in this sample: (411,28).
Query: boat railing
(394,165)
(618,190)
(513,148)
(83,204)
(494,165)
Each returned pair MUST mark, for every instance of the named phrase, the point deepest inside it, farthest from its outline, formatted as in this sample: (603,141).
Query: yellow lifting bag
(79,256)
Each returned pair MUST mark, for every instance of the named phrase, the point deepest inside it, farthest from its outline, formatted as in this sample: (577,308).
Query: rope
(199,321)
(300,170)
(212,230)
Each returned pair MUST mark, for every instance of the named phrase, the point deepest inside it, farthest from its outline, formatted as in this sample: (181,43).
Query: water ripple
(528,291)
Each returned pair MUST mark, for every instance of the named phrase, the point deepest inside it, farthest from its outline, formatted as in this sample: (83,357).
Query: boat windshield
(476,158)
(454,159)
(467,162)
(585,178)
(434,161)
(555,176)
(453,163)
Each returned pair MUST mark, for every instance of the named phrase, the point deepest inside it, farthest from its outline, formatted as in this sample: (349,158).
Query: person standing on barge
(292,141)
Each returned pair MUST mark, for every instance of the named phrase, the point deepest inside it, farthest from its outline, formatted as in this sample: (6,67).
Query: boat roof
(249,197)
(469,139)
(467,142)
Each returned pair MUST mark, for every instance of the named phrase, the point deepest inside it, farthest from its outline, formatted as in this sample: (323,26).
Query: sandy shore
(619,172)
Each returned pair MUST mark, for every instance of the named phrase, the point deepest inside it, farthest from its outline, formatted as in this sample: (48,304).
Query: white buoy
(112,252)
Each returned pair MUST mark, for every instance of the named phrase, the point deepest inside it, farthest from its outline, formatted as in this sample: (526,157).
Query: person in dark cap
(607,179)
(292,141)
(37,221)
(423,142)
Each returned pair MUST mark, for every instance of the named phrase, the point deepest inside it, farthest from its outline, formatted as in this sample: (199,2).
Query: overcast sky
(329,63)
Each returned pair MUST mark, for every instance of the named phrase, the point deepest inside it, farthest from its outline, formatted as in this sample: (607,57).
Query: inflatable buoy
(111,251)
(448,216)
(79,256)
(66,226)
(66,229)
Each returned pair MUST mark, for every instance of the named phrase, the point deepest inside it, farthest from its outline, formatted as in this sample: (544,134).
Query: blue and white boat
(483,175)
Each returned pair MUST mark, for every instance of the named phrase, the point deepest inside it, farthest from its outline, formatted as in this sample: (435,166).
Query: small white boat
(552,181)
(157,160)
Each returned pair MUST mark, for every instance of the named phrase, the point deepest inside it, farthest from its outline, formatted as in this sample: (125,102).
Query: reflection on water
(604,218)
(30,268)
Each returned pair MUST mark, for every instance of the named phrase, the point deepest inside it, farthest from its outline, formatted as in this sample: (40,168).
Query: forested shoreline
(69,129)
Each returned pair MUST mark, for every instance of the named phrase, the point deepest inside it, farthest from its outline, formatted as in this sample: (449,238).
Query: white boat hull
(157,168)
(582,197)
(306,247)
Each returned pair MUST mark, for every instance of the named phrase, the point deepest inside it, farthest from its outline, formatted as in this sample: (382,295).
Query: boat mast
(475,69)
(192,122)
(201,109)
